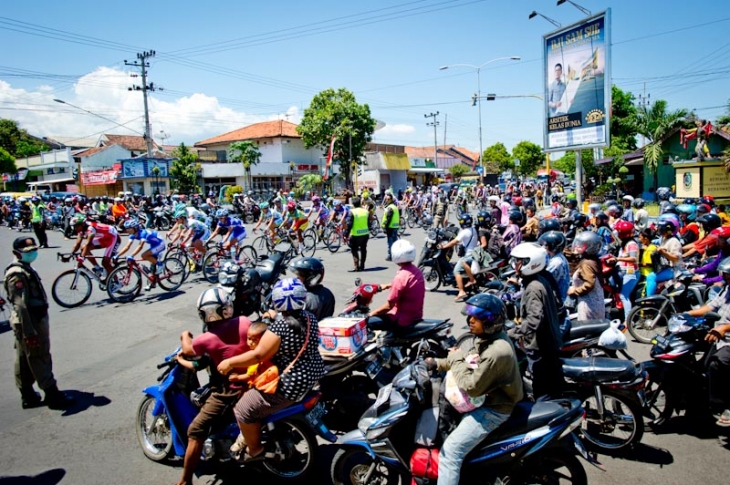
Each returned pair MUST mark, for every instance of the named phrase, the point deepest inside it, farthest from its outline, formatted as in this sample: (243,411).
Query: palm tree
(654,124)
(726,158)
(247,153)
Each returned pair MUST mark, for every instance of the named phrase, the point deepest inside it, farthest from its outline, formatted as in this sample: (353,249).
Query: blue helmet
(289,294)
(221,213)
(690,210)
(131,224)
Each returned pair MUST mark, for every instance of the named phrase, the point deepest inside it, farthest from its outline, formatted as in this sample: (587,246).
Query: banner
(328,165)
(103,177)
(577,78)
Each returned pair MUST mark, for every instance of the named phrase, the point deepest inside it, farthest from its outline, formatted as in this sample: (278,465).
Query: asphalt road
(105,354)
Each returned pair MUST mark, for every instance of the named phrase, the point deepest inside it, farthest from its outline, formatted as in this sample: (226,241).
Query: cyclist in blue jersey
(339,213)
(269,218)
(236,229)
(189,229)
(144,236)
(320,212)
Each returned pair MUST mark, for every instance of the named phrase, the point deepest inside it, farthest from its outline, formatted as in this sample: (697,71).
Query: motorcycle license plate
(374,367)
(315,415)
(383,395)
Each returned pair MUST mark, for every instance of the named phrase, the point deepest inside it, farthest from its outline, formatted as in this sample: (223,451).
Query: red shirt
(225,340)
(406,296)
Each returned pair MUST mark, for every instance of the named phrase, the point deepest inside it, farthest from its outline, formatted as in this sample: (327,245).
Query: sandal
(460,299)
(724,419)
(253,459)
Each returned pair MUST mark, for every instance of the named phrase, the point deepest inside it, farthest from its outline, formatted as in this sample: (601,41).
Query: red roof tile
(130,142)
(93,151)
(267,129)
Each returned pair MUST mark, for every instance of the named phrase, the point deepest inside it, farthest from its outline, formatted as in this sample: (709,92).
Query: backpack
(424,466)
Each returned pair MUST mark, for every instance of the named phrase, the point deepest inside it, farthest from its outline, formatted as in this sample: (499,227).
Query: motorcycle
(535,445)
(161,218)
(169,407)
(653,312)
(677,379)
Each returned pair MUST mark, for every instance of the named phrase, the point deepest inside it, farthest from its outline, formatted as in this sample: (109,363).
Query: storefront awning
(396,161)
(425,170)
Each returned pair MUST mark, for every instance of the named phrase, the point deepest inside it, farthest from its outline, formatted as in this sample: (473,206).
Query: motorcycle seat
(268,268)
(588,328)
(525,417)
(653,298)
(421,327)
(599,369)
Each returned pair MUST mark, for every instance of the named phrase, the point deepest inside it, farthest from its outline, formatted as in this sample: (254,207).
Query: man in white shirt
(468,238)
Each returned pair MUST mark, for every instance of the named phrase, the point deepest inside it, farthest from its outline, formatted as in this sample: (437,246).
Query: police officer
(391,222)
(357,227)
(36,219)
(29,320)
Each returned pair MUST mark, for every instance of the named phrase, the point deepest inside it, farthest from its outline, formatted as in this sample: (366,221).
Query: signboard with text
(577,79)
(715,182)
(102,177)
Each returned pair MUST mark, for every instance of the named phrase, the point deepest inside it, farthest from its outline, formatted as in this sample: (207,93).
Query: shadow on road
(684,425)
(374,268)
(5,327)
(50,477)
(84,400)
(644,453)
(161,296)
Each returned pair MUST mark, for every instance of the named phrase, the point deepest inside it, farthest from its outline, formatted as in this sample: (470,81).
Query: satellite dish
(379,125)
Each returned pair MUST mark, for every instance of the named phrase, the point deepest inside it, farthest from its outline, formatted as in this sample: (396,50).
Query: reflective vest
(37,211)
(360,218)
(395,220)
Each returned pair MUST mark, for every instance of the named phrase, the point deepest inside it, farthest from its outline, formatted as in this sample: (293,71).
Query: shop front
(145,176)
(101,183)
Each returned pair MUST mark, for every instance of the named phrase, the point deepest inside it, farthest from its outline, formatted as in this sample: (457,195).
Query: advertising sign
(133,168)
(687,182)
(102,177)
(161,164)
(716,181)
(577,79)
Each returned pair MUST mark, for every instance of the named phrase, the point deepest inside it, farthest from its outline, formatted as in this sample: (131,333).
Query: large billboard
(577,78)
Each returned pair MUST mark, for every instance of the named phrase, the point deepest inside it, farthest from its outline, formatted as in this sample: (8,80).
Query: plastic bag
(612,338)
(458,398)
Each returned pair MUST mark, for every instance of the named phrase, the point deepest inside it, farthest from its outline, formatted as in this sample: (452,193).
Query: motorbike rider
(468,239)
(539,330)
(670,251)
(496,376)
(706,242)
(119,210)
(531,228)
(223,337)
(707,273)
(512,236)
(628,261)
(689,230)
(404,306)
(586,285)
(554,243)
(628,214)
(641,218)
(320,300)
(717,359)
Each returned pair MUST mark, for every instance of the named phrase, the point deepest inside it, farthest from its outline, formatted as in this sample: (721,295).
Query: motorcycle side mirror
(358,281)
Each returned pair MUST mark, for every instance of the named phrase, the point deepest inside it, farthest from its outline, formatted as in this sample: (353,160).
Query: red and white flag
(329,159)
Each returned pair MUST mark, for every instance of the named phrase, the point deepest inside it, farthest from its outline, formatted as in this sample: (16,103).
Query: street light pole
(479,95)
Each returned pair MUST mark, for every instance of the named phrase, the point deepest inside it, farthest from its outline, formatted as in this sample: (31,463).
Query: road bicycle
(264,244)
(246,256)
(191,257)
(125,282)
(333,237)
(72,288)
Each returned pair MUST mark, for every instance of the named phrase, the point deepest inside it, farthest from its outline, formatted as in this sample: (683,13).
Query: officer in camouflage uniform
(29,319)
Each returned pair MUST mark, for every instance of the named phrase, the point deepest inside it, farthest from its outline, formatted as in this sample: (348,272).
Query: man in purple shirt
(407,291)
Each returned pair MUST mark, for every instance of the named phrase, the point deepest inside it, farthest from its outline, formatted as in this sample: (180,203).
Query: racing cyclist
(236,231)
(156,247)
(296,220)
(339,213)
(188,228)
(321,211)
(96,236)
(270,218)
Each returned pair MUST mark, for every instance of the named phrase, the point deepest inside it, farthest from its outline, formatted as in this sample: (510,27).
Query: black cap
(24,244)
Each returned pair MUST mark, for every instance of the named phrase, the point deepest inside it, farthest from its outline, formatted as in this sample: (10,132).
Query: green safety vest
(37,212)
(395,220)
(360,218)
(103,206)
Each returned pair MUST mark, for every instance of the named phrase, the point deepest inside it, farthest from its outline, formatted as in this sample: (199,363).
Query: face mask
(28,257)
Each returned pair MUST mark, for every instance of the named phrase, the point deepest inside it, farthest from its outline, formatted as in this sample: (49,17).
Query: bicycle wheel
(333,240)
(247,256)
(211,266)
(411,219)
(261,245)
(124,284)
(188,263)
(172,276)
(71,289)
(309,244)
(311,232)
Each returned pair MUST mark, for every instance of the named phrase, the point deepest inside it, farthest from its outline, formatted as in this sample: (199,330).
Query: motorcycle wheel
(431,276)
(211,265)
(173,274)
(71,289)
(350,466)
(639,323)
(658,407)
(120,292)
(153,432)
(552,467)
(622,426)
(295,450)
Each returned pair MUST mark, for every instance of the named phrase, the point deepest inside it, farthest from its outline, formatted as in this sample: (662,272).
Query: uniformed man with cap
(29,319)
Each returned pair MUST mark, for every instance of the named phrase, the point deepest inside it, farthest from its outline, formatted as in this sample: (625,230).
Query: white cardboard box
(342,335)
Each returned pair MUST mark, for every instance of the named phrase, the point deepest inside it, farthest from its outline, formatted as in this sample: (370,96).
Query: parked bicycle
(72,288)
(125,282)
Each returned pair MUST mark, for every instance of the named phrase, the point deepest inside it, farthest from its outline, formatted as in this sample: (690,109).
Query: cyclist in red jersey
(97,236)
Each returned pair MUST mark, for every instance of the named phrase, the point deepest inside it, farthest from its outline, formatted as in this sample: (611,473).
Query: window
(159,187)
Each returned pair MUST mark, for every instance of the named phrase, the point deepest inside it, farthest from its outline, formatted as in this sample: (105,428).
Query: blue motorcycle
(536,445)
(168,408)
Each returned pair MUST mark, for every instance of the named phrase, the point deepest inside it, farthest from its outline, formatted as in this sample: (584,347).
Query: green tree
(309,182)
(654,123)
(25,148)
(530,156)
(184,170)
(7,162)
(17,142)
(337,113)
(498,153)
(623,119)
(246,153)
(457,171)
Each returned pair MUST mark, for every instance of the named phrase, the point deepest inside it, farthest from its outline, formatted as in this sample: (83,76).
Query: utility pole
(446,123)
(435,124)
(143,65)
(643,102)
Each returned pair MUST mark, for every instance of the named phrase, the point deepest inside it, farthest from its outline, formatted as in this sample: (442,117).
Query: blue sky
(225,64)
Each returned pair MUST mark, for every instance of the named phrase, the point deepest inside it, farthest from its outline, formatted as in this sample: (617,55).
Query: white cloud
(104,92)
(398,129)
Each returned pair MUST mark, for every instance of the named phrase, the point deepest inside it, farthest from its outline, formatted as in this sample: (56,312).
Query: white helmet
(288,295)
(403,251)
(629,198)
(214,304)
(494,198)
(532,256)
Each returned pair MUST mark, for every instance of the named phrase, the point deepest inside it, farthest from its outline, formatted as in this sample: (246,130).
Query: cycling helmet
(546,225)
(486,308)
(554,241)
(77,219)
(181,214)
(710,222)
(594,207)
(288,295)
(309,270)
(587,243)
(336,203)
(131,224)
(639,203)
(264,205)
(315,199)
(291,205)
(580,220)
(483,218)
(465,221)
(214,304)
(625,229)
(515,216)
(531,256)
(221,213)
(403,251)
(688,210)
(721,232)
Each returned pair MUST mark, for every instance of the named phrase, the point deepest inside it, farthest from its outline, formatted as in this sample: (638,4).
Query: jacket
(589,272)
(539,328)
(497,375)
